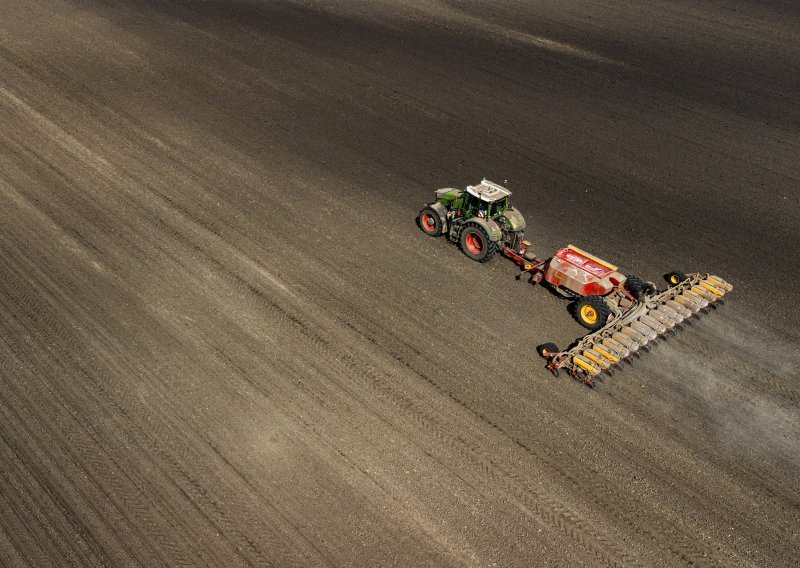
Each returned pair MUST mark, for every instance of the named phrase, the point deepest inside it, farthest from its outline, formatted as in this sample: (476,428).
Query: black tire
(635,286)
(429,221)
(476,243)
(591,312)
(674,277)
(547,350)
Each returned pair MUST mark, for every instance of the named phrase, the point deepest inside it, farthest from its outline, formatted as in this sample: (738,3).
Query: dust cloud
(725,364)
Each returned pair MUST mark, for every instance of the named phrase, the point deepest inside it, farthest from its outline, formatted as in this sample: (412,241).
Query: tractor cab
(485,200)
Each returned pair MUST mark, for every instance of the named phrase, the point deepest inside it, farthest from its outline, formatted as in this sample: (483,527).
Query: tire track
(604,496)
(377,384)
(209,157)
(190,487)
(42,325)
(297,324)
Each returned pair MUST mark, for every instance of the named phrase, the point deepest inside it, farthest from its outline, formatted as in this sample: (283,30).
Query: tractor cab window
(470,205)
(479,207)
(500,206)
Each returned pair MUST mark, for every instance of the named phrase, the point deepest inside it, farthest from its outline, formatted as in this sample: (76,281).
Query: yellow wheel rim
(674,279)
(589,314)
(545,351)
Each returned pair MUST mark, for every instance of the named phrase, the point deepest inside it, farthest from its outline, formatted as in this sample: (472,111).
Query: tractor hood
(447,194)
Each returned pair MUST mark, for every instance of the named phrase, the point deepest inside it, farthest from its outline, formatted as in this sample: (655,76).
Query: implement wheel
(476,243)
(547,350)
(591,312)
(675,277)
(635,286)
(429,221)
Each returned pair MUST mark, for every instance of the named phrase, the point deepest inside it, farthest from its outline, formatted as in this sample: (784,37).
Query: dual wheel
(474,240)
(638,287)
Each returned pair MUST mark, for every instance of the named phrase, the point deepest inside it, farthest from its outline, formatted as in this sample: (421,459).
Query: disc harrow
(653,317)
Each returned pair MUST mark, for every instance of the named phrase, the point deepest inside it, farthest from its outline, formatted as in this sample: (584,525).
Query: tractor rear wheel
(591,312)
(476,243)
(429,221)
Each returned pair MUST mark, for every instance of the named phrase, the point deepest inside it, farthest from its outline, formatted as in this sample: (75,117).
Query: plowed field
(224,341)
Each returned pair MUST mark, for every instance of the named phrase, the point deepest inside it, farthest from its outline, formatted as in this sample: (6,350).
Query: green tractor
(480,219)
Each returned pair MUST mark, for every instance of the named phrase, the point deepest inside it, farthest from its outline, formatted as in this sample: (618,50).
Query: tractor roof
(488,191)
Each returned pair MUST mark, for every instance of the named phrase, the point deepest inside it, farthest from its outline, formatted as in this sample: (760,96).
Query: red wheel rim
(428,222)
(474,243)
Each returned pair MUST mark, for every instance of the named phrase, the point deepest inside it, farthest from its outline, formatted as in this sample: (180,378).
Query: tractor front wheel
(476,243)
(591,312)
(429,221)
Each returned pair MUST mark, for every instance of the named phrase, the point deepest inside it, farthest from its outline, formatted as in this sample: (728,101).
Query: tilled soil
(225,342)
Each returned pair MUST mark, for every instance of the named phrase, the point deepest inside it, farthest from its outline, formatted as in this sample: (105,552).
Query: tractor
(622,313)
(480,219)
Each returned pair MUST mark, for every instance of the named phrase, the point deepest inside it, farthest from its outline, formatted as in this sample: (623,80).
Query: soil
(225,341)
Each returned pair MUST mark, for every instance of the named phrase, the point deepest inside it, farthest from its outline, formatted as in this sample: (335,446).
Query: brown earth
(225,342)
